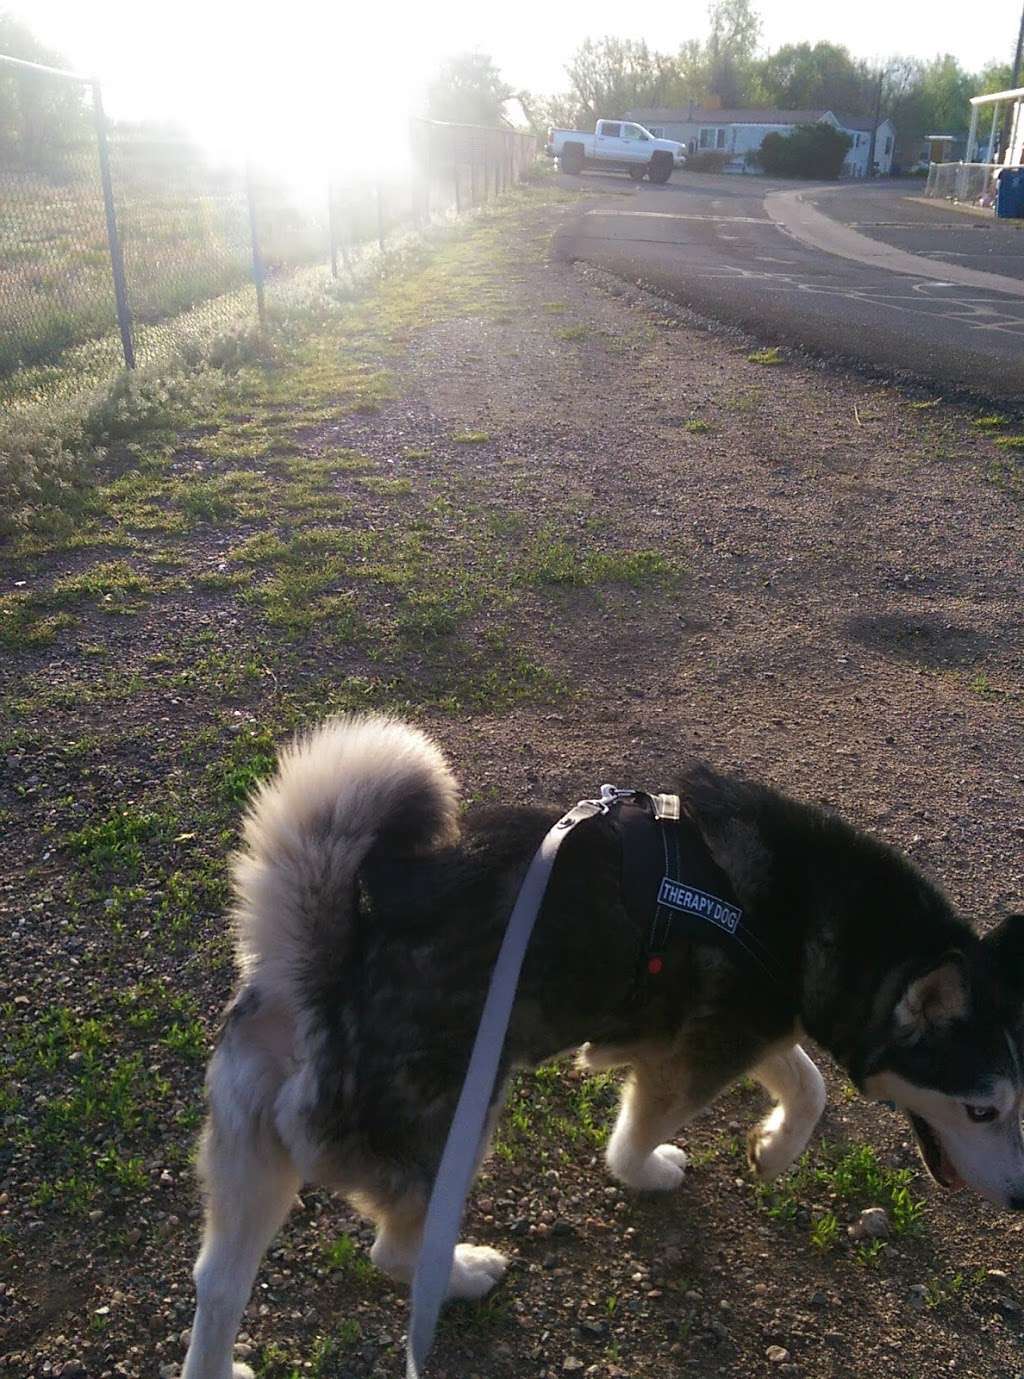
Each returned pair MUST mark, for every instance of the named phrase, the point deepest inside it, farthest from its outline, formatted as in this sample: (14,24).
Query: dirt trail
(841,616)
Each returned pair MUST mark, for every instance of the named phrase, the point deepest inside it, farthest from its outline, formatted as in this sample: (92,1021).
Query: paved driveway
(711,244)
(897,214)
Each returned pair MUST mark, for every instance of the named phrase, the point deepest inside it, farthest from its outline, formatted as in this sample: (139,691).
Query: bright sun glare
(312,86)
(305,91)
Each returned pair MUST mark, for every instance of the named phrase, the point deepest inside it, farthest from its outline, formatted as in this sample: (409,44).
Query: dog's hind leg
(475,1270)
(250,1185)
(799,1091)
(249,1181)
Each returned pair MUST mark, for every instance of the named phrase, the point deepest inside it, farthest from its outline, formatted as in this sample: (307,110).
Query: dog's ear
(1005,944)
(1005,947)
(934,998)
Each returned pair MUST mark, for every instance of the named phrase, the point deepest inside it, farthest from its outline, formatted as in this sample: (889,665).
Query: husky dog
(368,916)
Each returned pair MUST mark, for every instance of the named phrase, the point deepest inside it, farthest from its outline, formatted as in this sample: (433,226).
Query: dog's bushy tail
(337,791)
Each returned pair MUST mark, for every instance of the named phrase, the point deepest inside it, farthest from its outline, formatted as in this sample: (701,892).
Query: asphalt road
(710,244)
(894,215)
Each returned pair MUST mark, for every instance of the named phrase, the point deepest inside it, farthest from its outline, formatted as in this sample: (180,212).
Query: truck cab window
(634,132)
(611,131)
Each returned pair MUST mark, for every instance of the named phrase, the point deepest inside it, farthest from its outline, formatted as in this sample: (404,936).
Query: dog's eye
(980,1113)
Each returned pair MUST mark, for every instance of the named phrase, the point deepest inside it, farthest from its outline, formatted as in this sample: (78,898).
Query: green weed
(344,1256)
(825,1231)
(115,843)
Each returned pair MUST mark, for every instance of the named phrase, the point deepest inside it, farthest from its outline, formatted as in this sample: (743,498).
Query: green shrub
(812,150)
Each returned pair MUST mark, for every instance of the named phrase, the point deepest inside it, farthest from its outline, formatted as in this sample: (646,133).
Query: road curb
(789,210)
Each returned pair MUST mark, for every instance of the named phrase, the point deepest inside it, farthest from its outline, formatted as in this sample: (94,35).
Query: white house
(739,132)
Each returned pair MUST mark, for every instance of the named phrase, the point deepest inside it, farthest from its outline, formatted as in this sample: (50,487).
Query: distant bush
(709,160)
(812,150)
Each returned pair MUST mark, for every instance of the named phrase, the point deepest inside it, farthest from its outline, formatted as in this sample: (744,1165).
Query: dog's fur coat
(368,918)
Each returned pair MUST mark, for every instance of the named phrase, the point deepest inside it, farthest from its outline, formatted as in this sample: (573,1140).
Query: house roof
(762,115)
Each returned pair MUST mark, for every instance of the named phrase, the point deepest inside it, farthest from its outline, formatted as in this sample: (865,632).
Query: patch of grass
(982,685)
(551,1106)
(115,843)
(113,584)
(412,453)
(766,356)
(868,1253)
(992,422)
(26,624)
(550,559)
(85,1129)
(697,427)
(251,757)
(923,405)
(471,437)
(1010,442)
(825,1231)
(578,332)
(941,1290)
(344,1256)
(385,487)
(852,1176)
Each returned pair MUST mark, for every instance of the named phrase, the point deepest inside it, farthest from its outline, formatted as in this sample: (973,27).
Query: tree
(468,89)
(40,116)
(609,76)
(731,48)
(822,76)
(812,150)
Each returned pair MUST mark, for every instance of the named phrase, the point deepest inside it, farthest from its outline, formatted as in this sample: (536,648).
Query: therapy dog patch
(679,896)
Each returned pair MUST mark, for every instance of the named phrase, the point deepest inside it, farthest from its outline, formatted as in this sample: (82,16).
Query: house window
(719,138)
(705,137)
(888,145)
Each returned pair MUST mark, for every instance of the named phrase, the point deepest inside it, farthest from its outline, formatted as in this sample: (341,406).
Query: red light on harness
(654,966)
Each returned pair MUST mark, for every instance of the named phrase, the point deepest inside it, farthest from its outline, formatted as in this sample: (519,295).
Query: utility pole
(874,122)
(1015,75)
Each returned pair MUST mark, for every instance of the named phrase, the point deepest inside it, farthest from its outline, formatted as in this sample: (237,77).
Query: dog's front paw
(476,1270)
(773,1147)
(661,1171)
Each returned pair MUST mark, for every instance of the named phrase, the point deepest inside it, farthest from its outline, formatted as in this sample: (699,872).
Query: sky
(300,79)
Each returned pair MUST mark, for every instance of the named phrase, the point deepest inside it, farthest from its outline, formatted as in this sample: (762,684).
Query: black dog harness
(673,888)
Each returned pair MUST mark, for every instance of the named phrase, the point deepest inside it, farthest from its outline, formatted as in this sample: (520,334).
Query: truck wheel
(571,160)
(637,173)
(661,167)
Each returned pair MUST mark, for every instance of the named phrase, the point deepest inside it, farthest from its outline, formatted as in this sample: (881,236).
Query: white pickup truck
(617,144)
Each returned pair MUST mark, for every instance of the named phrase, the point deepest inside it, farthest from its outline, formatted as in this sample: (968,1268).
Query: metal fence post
(254,236)
(124,319)
(332,228)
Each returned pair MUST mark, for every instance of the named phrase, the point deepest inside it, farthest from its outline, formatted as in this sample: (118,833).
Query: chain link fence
(116,244)
(972,183)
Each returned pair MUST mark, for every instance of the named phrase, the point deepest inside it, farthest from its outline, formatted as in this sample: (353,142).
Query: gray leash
(462,1148)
